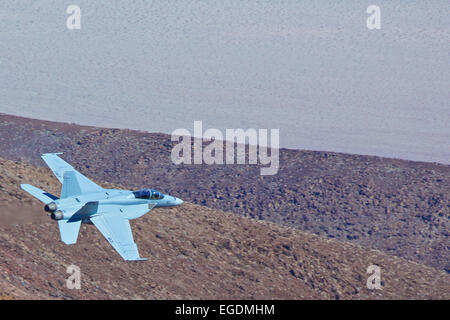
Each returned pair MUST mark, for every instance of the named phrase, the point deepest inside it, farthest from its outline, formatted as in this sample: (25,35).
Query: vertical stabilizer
(70,185)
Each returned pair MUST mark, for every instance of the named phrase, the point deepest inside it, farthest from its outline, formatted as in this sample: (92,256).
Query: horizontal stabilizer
(69,231)
(42,195)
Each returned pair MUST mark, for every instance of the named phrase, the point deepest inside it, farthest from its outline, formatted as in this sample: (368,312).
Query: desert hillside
(194,252)
(399,207)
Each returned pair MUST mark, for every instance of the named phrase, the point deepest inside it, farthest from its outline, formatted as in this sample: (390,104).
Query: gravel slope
(194,252)
(396,206)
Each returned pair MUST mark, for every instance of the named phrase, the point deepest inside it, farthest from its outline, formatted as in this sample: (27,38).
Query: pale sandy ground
(311,68)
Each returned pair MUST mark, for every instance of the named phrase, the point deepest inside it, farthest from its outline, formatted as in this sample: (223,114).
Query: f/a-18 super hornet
(83,201)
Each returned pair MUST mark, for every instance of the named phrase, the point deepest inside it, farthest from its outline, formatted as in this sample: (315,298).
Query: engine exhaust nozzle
(57,215)
(50,207)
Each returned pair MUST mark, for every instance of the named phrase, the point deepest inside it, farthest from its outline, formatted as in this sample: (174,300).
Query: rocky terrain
(399,207)
(194,252)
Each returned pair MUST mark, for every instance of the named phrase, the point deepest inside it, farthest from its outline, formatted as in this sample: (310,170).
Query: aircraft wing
(116,229)
(74,183)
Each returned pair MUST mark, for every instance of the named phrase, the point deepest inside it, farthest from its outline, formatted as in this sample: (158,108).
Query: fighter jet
(83,201)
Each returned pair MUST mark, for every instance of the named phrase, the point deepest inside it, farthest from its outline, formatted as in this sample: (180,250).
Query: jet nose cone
(178,201)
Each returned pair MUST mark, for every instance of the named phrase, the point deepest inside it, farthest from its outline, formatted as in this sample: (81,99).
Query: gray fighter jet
(83,201)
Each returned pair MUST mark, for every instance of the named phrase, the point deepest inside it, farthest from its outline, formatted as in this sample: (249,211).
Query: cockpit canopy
(148,194)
